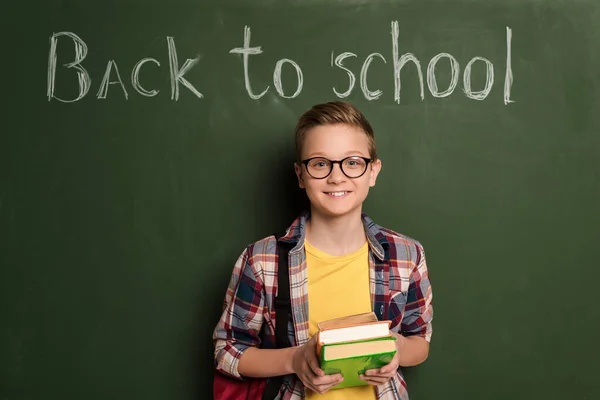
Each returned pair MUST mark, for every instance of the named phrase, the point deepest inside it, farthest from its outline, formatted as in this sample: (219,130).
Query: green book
(354,358)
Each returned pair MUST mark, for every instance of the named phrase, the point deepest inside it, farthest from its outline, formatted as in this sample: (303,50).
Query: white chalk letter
(339,62)
(135,78)
(277,78)
(103,91)
(431,80)
(508,78)
(369,95)
(177,73)
(489,81)
(80,53)
(246,51)
(400,62)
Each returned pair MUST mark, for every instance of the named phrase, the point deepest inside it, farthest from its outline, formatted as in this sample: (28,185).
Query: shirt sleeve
(241,321)
(418,311)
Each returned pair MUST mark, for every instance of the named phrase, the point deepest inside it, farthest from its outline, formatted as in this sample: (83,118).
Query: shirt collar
(375,235)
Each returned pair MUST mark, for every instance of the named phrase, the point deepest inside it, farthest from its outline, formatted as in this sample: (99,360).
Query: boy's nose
(336,174)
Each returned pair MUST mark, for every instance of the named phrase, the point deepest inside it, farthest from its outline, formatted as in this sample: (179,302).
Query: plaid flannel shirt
(399,285)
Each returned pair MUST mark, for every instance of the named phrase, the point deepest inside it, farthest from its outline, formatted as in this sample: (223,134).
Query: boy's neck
(336,236)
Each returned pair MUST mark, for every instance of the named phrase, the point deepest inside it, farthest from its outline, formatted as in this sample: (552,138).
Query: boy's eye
(319,163)
(354,163)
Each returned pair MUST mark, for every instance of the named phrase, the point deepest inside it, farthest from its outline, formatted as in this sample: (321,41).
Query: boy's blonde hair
(336,112)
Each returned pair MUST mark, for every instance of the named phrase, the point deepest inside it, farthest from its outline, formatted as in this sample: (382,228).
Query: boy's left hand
(381,375)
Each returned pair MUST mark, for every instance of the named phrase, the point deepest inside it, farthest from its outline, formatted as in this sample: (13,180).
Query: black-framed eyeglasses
(321,167)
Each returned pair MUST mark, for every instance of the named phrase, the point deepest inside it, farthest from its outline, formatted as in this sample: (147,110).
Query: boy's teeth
(337,193)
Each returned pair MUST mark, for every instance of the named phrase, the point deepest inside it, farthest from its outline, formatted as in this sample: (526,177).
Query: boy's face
(336,195)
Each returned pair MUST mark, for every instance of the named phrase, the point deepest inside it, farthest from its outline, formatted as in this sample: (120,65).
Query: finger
(380,376)
(313,363)
(391,367)
(327,380)
(376,374)
(308,383)
(323,388)
(373,372)
(379,380)
(384,371)
(317,388)
(307,377)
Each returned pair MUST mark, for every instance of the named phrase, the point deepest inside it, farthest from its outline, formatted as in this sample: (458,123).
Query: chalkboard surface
(145,143)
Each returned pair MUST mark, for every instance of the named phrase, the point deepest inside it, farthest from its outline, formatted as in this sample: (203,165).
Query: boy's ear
(298,170)
(375,168)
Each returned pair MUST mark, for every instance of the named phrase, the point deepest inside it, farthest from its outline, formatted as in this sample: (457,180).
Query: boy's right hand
(306,365)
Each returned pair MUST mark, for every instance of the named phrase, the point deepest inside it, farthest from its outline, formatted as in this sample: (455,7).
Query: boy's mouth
(338,194)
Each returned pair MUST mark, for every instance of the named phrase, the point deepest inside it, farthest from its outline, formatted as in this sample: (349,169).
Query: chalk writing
(177,73)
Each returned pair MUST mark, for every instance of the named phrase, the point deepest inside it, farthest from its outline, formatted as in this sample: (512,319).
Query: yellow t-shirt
(338,286)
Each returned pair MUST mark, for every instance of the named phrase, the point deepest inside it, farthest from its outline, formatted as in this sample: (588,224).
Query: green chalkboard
(124,206)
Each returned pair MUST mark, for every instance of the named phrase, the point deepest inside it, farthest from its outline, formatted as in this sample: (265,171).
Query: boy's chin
(335,212)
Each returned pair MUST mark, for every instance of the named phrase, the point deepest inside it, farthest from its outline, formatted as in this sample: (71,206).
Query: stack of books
(353,344)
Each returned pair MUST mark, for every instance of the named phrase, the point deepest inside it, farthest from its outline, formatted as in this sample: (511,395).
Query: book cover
(351,328)
(353,359)
(348,320)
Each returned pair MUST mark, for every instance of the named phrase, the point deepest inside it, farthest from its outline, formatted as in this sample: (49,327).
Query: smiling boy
(341,263)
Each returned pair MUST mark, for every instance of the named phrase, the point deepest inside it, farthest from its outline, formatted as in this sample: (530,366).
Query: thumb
(386,369)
